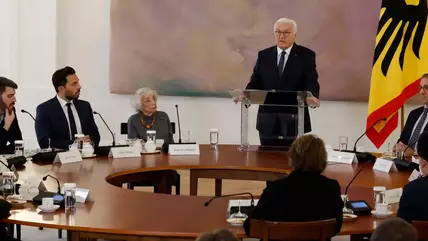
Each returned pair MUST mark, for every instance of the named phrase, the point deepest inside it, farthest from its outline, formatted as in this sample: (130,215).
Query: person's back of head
(218,235)
(394,229)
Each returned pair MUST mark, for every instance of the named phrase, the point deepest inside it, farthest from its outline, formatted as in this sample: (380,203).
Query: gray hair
(218,235)
(394,229)
(140,93)
(287,21)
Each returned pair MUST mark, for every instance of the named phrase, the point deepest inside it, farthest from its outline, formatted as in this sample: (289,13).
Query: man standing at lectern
(287,67)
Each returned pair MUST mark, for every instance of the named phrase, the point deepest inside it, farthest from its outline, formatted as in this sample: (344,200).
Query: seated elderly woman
(305,194)
(149,118)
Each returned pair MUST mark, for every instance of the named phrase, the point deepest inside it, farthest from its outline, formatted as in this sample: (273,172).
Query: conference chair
(175,178)
(317,230)
(422,229)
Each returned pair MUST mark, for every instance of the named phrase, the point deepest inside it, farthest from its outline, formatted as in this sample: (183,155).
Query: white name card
(189,149)
(393,196)
(82,195)
(415,175)
(124,152)
(415,160)
(384,165)
(68,157)
(342,157)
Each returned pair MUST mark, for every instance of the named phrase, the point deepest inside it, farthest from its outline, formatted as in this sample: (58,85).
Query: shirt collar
(62,102)
(288,50)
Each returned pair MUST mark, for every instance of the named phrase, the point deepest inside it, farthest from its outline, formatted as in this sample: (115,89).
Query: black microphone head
(96,113)
(23,111)
(44,178)
(206,204)
(176,106)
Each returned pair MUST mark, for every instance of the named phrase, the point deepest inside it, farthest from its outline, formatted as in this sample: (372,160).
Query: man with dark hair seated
(9,128)
(394,229)
(413,203)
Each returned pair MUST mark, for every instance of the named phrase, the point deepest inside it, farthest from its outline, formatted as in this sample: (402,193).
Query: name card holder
(124,152)
(415,175)
(68,157)
(82,195)
(342,157)
(180,150)
(384,165)
(393,195)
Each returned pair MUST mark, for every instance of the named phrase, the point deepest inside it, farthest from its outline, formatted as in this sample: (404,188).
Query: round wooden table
(115,212)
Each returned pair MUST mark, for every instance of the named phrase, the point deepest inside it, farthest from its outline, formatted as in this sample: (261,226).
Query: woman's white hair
(140,93)
(287,21)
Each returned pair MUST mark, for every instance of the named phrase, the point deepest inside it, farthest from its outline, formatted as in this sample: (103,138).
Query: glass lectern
(280,117)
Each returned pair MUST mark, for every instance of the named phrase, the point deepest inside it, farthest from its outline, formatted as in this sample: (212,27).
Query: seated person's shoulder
(161,114)
(5,208)
(420,184)
(417,110)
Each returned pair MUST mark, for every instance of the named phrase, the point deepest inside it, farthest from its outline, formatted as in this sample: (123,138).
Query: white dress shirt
(278,57)
(63,104)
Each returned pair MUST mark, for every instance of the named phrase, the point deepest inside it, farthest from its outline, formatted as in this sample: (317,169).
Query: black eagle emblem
(398,12)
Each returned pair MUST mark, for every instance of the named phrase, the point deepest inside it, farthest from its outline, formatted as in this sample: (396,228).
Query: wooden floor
(206,188)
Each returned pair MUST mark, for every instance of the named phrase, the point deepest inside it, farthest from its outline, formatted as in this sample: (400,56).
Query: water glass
(214,137)
(379,194)
(151,136)
(343,143)
(70,197)
(19,148)
(8,184)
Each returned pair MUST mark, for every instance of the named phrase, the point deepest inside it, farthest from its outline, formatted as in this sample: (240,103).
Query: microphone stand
(345,199)
(28,113)
(206,204)
(179,126)
(105,123)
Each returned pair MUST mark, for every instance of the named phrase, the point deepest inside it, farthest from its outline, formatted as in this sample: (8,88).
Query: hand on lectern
(313,102)
(238,99)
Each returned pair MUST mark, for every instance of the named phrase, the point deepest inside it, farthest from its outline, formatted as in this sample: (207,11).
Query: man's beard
(72,97)
(2,105)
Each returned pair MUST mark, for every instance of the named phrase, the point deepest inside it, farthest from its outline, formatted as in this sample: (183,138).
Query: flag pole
(402,117)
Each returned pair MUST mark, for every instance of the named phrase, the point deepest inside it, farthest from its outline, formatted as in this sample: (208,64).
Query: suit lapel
(292,58)
(61,115)
(274,63)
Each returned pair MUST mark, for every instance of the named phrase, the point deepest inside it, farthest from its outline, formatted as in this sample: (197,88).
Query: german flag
(400,59)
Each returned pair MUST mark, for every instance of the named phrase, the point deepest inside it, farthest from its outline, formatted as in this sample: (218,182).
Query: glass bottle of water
(214,137)
(70,197)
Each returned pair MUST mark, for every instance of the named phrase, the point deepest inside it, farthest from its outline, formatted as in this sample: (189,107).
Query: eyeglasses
(423,87)
(279,33)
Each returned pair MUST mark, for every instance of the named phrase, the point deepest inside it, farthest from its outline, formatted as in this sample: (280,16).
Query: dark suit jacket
(410,123)
(299,74)
(13,134)
(300,197)
(51,123)
(5,207)
(413,202)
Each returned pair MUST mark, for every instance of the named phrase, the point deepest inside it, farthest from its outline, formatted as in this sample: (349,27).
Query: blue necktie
(415,136)
(281,64)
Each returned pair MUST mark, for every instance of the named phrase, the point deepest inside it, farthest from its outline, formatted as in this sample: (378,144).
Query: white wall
(77,33)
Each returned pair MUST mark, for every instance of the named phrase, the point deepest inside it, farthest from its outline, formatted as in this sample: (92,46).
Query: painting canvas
(204,48)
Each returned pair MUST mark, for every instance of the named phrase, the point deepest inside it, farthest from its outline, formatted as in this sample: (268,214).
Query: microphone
(57,181)
(355,145)
(345,208)
(105,123)
(403,165)
(231,195)
(28,113)
(179,126)
(364,156)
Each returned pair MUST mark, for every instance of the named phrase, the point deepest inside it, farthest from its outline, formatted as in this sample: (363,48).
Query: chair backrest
(316,230)
(124,128)
(422,229)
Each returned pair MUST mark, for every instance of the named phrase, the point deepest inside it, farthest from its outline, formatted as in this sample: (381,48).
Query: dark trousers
(279,137)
